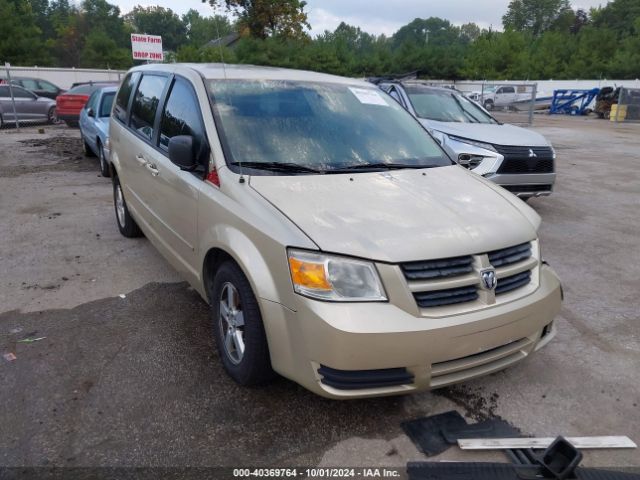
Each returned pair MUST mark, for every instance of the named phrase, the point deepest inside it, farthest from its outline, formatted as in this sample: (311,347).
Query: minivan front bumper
(384,350)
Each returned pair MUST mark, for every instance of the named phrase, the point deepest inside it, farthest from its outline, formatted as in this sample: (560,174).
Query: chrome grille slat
(511,283)
(450,296)
(511,255)
(431,269)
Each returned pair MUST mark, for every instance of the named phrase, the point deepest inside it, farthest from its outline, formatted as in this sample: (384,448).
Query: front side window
(22,93)
(106,104)
(145,104)
(29,84)
(122,101)
(181,116)
(446,106)
(321,127)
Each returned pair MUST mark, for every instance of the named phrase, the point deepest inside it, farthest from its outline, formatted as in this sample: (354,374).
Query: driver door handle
(152,168)
(141,160)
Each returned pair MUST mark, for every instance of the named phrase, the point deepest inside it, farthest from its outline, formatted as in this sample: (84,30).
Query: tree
(101,51)
(202,29)
(534,16)
(618,15)
(264,18)
(20,41)
(157,20)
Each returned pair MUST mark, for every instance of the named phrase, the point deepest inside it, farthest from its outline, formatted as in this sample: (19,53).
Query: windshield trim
(238,168)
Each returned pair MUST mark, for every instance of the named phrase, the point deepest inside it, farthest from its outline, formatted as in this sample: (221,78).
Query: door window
(145,104)
(181,116)
(29,84)
(47,86)
(508,90)
(122,101)
(4,92)
(22,93)
(91,103)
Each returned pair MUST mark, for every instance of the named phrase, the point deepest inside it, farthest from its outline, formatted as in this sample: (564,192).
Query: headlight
(334,278)
(486,146)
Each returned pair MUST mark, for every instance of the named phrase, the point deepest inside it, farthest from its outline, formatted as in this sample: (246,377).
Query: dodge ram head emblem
(489,280)
(532,154)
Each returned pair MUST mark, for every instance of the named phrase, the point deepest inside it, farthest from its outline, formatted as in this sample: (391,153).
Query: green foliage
(264,18)
(534,16)
(543,39)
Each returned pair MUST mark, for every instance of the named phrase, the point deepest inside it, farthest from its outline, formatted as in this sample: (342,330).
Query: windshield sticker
(368,96)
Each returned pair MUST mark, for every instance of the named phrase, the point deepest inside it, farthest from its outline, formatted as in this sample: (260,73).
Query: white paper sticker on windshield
(368,96)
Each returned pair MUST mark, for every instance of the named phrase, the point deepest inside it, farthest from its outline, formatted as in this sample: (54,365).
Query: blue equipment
(572,102)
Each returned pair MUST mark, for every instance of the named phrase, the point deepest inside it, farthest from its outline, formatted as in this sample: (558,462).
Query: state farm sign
(146,47)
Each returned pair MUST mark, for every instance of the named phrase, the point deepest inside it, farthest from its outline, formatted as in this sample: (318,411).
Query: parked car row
(335,240)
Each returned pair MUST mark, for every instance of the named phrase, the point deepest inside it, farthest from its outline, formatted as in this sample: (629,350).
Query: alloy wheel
(231,322)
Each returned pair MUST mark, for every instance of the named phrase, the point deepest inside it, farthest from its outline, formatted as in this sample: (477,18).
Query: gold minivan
(335,241)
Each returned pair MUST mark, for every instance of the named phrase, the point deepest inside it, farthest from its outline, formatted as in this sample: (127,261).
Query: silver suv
(520,160)
(334,240)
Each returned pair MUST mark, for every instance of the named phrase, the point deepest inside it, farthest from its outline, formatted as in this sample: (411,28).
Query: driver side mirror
(91,113)
(182,152)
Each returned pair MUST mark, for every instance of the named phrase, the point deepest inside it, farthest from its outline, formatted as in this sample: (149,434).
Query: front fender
(263,277)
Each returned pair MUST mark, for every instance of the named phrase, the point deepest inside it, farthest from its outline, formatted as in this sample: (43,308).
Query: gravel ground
(135,381)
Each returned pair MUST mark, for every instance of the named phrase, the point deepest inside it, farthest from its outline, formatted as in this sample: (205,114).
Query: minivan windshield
(307,127)
(446,106)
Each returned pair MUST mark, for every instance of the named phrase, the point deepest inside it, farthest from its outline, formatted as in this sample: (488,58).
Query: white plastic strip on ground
(542,443)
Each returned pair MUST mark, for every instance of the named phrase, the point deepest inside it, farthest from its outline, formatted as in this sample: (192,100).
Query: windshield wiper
(278,167)
(378,166)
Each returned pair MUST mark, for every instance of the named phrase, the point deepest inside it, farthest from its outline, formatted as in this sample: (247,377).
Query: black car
(42,88)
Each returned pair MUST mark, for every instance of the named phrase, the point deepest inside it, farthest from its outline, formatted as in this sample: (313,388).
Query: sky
(377,16)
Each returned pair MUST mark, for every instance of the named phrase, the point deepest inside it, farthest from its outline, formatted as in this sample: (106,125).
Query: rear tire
(126,224)
(238,329)
(104,163)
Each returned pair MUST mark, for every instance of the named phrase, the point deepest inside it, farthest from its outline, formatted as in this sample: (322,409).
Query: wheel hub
(231,321)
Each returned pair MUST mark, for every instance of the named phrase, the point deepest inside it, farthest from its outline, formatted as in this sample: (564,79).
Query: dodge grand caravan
(335,241)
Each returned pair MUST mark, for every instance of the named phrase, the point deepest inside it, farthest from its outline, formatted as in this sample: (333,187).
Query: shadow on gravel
(136,381)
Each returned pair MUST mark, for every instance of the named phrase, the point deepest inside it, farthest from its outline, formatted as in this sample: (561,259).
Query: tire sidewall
(104,165)
(255,366)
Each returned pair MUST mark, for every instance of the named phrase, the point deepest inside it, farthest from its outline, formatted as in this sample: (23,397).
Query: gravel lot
(136,381)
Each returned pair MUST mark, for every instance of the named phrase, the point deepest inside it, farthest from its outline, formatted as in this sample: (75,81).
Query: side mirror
(182,153)
(91,113)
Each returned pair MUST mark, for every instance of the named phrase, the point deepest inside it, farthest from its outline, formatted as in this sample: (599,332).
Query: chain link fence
(509,102)
(628,106)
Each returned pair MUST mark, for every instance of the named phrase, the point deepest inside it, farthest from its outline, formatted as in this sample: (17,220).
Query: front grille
(509,256)
(519,159)
(451,281)
(360,379)
(432,269)
(513,282)
(449,296)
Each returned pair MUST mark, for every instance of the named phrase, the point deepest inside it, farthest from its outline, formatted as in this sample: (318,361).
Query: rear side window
(181,116)
(47,87)
(122,101)
(91,103)
(145,104)
(107,102)
(4,92)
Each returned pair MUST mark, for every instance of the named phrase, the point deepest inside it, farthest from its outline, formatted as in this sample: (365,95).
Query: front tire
(126,224)
(488,105)
(238,329)
(51,116)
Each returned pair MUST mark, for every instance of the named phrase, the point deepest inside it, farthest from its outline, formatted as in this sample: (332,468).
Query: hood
(400,216)
(495,134)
